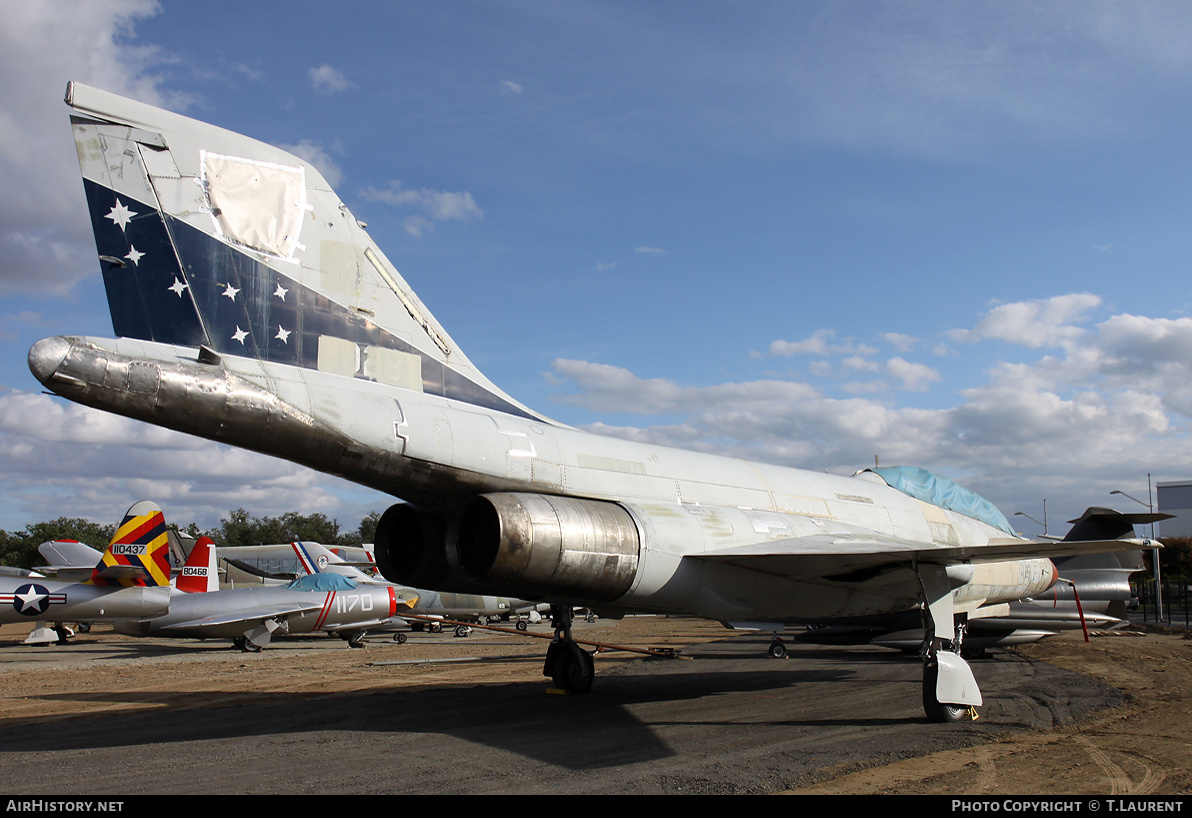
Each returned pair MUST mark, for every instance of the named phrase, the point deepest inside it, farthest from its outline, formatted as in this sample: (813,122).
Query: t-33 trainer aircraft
(252,308)
(130,582)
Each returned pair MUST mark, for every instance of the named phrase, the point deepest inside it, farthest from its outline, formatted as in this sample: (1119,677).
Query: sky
(950,235)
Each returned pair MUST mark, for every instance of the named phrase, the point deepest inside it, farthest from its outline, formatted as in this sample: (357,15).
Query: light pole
(1033,520)
(1154,551)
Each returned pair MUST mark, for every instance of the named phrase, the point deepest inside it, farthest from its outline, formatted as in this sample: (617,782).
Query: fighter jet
(252,308)
(129,582)
(315,558)
(251,616)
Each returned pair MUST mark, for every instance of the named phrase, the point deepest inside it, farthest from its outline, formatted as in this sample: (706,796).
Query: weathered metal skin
(203,400)
(541,545)
(211,401)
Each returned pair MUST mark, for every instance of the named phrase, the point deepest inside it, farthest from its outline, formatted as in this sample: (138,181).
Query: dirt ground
(1139,748)
(1142,748)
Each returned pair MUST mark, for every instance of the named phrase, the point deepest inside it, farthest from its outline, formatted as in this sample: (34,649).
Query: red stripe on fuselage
(326,610)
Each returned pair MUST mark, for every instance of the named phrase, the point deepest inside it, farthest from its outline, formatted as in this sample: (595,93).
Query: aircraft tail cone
(46,356)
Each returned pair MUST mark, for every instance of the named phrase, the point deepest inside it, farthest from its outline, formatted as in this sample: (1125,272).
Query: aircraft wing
(827,555)
(245,615)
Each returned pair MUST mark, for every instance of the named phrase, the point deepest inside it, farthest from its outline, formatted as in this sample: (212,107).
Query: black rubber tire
(938,711)
(574,670)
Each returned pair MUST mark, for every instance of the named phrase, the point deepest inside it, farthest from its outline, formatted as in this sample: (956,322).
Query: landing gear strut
(950,692)
(567,664)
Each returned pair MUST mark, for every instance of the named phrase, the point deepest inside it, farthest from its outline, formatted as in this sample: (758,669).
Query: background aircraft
(315,558)
(251,616)
(1102,582)
(252,308)
(129,582)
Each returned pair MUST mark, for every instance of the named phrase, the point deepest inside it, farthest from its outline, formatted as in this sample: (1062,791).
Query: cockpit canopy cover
(322,582)
(940,491)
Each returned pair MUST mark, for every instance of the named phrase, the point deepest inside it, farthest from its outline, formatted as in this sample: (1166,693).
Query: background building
(1175,498)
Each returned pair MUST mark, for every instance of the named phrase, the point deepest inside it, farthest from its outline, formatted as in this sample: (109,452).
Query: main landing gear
(950,692)
(568,665)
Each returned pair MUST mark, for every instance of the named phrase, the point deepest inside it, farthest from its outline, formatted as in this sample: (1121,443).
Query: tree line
(19,548)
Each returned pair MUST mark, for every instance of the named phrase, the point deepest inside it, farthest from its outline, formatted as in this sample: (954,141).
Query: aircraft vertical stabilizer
(200,574)
(210,238)
(139,551)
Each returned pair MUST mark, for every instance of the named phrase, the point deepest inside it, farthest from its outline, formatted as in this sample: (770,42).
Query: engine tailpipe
(537,545)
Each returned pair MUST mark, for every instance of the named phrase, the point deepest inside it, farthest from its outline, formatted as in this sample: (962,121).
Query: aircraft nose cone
(46,356)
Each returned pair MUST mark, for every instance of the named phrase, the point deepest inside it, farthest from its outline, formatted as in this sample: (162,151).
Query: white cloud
(1113,407)
(43,216)
(508,88)
(316,155)
(900,342)
(650,251)
(104,463)
(1046,322)
(437,205)
(914,377)
(820,343)
(328,80)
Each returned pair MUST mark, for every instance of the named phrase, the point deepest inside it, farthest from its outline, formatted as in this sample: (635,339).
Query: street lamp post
(1033,520)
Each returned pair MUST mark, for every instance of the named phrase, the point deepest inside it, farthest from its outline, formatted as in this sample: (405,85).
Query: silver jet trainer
(253,309)
(130,581)
(250,617)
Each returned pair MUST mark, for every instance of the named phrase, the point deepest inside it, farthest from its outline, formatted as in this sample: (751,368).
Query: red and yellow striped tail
(139,551)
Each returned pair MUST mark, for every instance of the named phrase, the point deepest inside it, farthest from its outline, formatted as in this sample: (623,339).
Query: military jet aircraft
(129,582)
(251,616)
(315,558)
(252,308)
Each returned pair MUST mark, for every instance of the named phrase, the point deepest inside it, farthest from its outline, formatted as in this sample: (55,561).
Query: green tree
(368,526)
(1175,557)
(241,528)
(19,549)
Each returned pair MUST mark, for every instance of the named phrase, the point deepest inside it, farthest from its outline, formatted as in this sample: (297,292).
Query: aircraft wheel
(574,669)
(83,627)
(434,627)
(246,645)
(938,711)
(356,640)
(399,638)
(777,650)
(521,625)
(462,630)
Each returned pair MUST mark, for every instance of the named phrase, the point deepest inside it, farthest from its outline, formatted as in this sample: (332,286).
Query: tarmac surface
(111,715)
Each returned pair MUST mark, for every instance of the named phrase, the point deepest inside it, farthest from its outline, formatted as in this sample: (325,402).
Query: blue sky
(952,235)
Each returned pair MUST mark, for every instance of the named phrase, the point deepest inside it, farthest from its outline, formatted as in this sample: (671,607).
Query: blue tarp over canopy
(940,491)
(322,582)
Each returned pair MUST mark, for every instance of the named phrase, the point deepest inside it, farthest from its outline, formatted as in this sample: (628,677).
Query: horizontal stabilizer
(1107,524)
